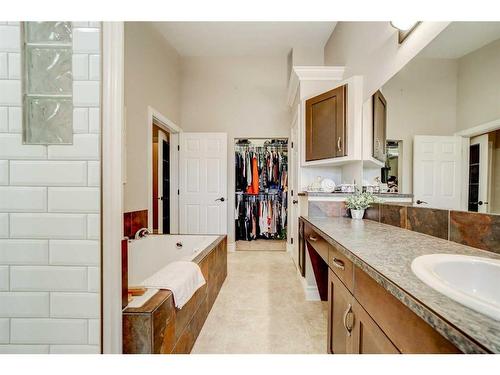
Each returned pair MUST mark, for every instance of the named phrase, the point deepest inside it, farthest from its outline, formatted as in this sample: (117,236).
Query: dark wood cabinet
(379,126)
(366,335)
(326,135)
(350,329)
(363,317)
(339,302)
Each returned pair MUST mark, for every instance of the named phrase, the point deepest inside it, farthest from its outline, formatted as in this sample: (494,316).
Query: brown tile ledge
(385,253)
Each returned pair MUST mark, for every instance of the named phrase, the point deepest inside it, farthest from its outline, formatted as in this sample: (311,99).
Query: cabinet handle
(337,263)
(312,238)
(339,144)
(348,328)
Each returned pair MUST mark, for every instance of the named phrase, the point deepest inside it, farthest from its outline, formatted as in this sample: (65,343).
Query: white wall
(152,78)
(371,49)
(479,87)
(242,96)
(50,213)
(421,100)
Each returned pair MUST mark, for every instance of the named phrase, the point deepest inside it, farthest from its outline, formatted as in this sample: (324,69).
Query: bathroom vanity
(376,304)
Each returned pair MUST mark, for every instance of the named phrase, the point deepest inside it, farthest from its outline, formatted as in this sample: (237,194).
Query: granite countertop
(339,194)
(386,252)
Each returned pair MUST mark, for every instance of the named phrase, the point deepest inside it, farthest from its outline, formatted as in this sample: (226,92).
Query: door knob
(420,202)
(222,199)
(295,201)
(160,198)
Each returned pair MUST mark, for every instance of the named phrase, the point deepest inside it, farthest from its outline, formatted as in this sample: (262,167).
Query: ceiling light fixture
(405,28)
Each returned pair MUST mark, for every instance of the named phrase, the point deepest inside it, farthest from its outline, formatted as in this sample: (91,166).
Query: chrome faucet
(141,233)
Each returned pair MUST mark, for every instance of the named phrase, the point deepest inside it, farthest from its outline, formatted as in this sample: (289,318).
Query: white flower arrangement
(360,201)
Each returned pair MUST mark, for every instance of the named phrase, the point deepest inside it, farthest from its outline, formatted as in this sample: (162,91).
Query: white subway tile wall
(50,212)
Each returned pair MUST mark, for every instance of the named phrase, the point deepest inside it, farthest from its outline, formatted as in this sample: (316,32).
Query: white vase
(357,214)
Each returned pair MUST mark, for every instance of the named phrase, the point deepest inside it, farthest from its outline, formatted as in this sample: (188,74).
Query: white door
(294,199)
(203,183)
(162,137)
(437,167)
(485,166)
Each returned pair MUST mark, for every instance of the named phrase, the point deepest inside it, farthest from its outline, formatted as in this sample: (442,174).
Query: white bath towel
(181,277)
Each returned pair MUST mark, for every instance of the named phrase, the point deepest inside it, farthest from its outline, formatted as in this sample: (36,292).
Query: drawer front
(341,266)
(317,242)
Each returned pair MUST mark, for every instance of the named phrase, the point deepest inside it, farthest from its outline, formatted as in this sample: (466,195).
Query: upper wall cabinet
(379,125)
(325,131)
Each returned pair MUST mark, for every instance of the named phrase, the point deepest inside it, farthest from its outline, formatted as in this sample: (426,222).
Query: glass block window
(47,83)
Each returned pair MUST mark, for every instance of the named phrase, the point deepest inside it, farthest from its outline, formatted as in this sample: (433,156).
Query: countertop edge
(447,329)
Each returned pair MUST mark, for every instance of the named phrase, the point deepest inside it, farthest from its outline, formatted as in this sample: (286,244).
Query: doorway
(163,174)
(161,181)
(261,193)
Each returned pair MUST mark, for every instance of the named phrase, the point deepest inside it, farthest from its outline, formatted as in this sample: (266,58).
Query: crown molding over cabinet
(311,73)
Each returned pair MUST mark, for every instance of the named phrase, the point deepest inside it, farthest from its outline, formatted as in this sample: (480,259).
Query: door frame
(161,138)
(112,115)
(293,180)
(155,117)
(466,135)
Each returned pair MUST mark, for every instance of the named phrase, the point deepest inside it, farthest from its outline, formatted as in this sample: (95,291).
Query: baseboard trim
(231,247)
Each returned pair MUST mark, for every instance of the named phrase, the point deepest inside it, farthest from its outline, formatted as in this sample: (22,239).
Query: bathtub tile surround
(49,254)
(159,327)
(133,221)
(468,228)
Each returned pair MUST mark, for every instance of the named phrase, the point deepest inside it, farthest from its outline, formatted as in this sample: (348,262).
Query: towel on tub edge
(182,278)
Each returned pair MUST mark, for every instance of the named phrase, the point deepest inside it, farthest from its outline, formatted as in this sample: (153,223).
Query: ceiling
(461,38)
(243,38)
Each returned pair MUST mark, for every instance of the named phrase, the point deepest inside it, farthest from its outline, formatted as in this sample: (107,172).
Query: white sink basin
(471,281)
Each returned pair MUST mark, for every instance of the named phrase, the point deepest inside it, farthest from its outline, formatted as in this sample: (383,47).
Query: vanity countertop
(339,194)
(386,252)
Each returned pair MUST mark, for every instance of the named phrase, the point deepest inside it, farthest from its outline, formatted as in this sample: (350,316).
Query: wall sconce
(405,28)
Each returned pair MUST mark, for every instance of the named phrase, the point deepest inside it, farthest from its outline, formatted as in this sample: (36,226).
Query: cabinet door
(339,305)
(326,125)
(379,125)
(367,337)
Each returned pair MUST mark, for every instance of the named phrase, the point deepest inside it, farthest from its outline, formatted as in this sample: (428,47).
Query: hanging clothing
(261,182)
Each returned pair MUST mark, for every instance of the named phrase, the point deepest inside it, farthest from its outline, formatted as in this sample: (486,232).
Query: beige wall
(371,49)
(479,87)
(152,78)
(244,97)
(421,100)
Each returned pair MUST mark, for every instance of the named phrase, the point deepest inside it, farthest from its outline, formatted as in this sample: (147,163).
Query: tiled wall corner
(50,212)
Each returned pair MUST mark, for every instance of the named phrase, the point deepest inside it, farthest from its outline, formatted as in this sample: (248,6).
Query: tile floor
(261,309)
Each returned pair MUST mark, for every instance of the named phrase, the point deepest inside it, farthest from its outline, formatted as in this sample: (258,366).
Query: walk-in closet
(261,182)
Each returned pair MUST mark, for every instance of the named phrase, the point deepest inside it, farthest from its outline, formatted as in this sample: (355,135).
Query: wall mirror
(444,107)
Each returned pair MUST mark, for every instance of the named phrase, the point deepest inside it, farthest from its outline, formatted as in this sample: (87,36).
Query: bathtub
(150,254)
(158,326)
